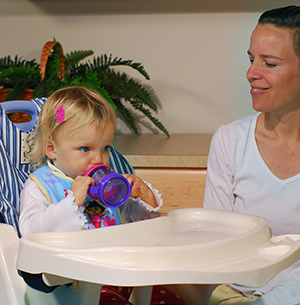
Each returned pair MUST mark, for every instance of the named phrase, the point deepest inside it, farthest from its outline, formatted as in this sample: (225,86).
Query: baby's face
(75,155)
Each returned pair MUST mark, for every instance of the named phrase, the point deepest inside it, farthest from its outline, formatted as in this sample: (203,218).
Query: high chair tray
(186,246)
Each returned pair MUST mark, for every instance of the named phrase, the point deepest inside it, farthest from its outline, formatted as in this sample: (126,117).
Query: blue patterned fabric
(119,163)
(14,170)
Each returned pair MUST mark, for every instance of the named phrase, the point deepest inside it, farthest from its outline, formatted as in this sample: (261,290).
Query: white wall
(197,62)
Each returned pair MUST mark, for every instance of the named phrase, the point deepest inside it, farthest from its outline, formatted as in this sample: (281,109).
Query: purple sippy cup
(110,188)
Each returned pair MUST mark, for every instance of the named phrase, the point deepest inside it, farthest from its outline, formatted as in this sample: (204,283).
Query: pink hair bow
(60,112)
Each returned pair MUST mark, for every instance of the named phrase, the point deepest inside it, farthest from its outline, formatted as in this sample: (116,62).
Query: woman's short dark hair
(285,17)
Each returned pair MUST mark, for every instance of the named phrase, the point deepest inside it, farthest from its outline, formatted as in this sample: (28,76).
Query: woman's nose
(253,72)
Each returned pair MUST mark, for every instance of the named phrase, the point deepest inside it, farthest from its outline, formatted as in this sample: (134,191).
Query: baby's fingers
(80,187)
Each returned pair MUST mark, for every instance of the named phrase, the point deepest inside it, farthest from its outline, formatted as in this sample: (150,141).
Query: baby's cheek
(106,160)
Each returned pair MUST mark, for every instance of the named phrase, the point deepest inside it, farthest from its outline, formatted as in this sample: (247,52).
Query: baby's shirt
(55,185)
(41,212)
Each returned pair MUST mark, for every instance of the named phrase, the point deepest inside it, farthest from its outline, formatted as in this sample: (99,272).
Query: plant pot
(18,117)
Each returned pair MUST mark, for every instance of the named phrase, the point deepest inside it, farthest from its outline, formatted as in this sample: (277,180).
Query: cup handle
(93,190)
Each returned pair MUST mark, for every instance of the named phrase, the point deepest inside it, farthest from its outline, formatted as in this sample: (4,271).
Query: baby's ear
(49,149)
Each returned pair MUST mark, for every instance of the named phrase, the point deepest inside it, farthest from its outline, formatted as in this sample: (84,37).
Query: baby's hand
(80,187)
(140,189)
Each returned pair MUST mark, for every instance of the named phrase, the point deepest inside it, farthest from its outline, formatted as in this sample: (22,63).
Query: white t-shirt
(37,214)
(239,180)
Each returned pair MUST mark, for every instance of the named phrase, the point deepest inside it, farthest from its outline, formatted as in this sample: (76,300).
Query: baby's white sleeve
(39,215)
(135,209)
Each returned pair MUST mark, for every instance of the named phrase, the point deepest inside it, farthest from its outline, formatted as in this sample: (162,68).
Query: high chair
(188,246)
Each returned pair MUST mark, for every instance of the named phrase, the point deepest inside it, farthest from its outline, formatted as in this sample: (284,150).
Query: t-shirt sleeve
(135,209)
(219,180)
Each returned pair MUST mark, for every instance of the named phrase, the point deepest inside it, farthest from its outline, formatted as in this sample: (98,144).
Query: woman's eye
(270,65)
(106,148)
(84,149)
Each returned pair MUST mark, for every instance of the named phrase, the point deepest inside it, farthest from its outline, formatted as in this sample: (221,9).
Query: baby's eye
(84,149)
(106,148)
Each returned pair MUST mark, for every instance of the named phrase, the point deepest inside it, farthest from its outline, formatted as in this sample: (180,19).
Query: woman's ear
(49,149)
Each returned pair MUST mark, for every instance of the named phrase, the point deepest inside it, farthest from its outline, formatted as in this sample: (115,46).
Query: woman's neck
(278,142)
(286,127)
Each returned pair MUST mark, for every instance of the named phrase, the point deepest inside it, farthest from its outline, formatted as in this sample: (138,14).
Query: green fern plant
(17,75)
(118,88)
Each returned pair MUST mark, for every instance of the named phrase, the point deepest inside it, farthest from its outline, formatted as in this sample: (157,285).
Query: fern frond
(72,59)
(127,88)
(104,62)
(13,94)
(24,75)
(139,94)
(115,83)
(126,116)
(107,96)
(7,62)
(129,63)
(99,64)
(154,120)
(91,81)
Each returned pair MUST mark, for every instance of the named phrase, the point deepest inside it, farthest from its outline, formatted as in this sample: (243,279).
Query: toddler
(74,132)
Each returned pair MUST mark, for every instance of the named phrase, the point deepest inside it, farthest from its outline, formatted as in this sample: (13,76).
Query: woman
(254,162)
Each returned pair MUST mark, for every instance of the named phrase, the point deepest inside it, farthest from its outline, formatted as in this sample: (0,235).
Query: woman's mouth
(258,90)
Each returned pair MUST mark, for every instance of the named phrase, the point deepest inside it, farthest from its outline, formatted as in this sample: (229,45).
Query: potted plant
(60,70)
(18,78)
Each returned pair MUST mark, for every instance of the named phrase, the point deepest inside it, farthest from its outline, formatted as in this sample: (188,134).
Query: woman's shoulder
(241,125)
(236,134)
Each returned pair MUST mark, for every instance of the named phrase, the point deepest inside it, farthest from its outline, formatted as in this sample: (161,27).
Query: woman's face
(274,74)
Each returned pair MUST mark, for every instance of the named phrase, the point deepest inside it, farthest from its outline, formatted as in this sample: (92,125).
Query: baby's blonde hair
(85,106)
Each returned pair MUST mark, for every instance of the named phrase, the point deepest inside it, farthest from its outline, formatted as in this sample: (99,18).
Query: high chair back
(14,165)
(14,168)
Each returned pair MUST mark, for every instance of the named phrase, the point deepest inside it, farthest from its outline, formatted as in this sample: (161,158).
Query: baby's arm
(139,189)
(142,206)
(37,214)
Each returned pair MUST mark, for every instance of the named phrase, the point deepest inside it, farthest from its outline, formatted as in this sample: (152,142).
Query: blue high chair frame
(12,170)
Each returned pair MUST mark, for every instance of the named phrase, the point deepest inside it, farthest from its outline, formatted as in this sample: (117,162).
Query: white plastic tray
(186,246)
